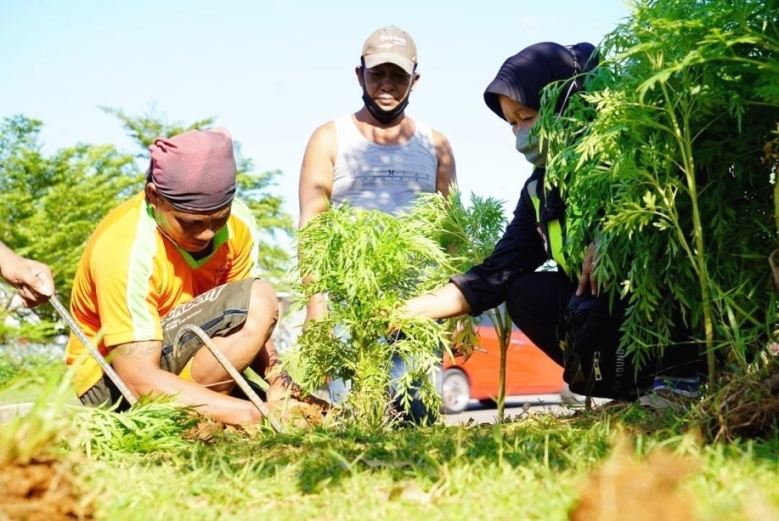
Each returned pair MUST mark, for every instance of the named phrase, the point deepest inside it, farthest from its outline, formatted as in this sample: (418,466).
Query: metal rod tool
(229,367)
(128,395)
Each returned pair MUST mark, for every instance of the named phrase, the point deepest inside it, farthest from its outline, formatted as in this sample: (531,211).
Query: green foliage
(50,203)
(253,187)
(367,262)
(24,361)
(38,433)
(469,234)
(151,425)
(662,160)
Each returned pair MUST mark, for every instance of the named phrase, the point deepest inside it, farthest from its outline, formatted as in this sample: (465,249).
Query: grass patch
(24,368)
(531,469)
(153,463)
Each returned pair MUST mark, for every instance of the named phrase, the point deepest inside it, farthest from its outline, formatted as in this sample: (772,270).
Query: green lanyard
(554,228)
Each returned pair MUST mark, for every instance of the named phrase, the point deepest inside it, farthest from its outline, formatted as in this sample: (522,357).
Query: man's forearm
(215,405)
(137,364)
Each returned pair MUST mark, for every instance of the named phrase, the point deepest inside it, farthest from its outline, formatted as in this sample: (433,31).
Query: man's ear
(414,81)
(152,195)
(360,77)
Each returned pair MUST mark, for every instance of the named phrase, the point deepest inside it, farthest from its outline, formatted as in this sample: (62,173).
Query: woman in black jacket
(551,307)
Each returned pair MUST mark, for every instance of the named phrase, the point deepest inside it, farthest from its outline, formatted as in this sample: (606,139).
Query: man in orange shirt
(182,252)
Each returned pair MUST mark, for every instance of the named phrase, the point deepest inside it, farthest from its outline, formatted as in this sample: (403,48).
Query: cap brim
(372,60)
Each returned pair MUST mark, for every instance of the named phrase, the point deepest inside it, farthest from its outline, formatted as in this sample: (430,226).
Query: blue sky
(272,71)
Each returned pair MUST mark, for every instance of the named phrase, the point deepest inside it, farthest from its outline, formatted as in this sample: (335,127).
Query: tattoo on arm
(139,350)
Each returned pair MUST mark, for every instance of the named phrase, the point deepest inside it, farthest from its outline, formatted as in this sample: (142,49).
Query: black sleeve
(519,251)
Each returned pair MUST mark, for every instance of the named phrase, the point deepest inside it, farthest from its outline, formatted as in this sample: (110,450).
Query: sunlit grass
(532,469)
(147,464)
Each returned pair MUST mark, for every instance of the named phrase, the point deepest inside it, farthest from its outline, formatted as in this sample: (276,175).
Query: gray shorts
(218,312)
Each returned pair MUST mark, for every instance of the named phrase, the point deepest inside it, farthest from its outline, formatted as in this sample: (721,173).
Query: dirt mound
(297,414)
(311,413)
(746,407)
(626,489)
(204,430)
(40,491)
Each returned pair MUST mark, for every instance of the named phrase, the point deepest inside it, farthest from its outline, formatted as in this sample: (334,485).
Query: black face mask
(381,115)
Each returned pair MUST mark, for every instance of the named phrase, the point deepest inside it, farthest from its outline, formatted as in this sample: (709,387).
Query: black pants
(537,301)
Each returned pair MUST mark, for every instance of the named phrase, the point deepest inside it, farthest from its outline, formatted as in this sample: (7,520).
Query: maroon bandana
(194,171)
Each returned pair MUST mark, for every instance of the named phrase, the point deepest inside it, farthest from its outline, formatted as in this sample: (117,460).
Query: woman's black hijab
(523,76)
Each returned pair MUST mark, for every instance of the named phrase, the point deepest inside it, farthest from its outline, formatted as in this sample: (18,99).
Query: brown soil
(205,430)
(311,413)
(626,489)
(308,412)
(298,415)
(302,411)
(40,491)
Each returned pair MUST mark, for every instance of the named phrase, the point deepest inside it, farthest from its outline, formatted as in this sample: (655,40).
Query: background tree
(662,159)
(50,203)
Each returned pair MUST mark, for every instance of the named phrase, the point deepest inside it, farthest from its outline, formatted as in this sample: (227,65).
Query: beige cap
(390,45)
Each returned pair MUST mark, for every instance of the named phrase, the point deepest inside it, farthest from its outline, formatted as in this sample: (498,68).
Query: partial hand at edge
(31,278)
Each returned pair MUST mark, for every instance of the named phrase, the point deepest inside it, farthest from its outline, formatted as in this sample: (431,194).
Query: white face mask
(528,147)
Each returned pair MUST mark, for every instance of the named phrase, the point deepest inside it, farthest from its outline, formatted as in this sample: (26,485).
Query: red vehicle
(528,371)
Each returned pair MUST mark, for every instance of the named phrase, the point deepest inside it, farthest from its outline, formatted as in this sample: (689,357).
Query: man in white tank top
(377,158)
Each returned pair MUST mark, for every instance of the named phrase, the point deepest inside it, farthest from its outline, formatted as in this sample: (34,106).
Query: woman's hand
(588,267)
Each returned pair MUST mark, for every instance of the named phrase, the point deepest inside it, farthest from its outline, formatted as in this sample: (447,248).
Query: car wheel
(455,391)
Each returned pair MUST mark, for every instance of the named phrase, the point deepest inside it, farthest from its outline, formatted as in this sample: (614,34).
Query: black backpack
(594,363)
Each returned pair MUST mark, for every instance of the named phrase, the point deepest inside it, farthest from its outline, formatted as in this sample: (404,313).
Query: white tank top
(382,177)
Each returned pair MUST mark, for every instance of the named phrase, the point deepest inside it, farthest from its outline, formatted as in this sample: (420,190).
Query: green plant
(152,425)
(661,160)
(38,433)
(469,234)
(25,361)
(50,203)
(367,262)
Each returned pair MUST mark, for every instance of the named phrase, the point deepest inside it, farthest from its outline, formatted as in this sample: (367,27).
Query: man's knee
(264,304)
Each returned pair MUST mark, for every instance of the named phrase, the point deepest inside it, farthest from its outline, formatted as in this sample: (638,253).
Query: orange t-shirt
(131,275)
